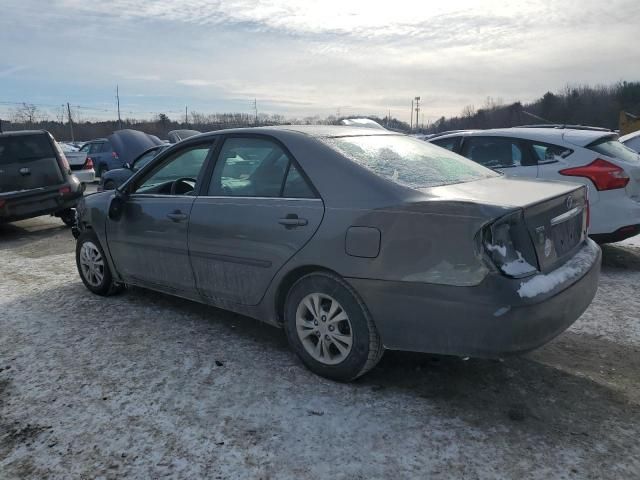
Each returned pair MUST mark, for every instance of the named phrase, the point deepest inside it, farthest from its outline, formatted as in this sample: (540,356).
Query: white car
(81,166)
(591,156)
(631,140)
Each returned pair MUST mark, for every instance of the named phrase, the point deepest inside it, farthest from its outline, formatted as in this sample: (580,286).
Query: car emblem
(569,202)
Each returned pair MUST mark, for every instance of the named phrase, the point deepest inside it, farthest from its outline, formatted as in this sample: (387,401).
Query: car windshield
(408,161)
(613,148)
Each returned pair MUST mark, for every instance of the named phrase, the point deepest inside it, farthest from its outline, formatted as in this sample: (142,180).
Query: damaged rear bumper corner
(489,320)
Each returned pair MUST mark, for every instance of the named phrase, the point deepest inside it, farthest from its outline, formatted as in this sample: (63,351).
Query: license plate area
(567,234)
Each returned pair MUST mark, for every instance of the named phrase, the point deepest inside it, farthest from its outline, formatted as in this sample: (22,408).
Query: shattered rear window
(409,162)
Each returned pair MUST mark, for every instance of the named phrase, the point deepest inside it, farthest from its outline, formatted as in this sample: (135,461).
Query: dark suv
(35,178)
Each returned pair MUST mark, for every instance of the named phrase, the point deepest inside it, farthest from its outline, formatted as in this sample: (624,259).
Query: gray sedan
(353,240)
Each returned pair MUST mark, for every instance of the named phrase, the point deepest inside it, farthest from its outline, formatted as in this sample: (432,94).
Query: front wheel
(330,329)
(93,267)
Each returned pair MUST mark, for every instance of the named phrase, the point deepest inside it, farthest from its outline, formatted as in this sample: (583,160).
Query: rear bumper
(85,176)
(621,234)
(31,204)
(489,320)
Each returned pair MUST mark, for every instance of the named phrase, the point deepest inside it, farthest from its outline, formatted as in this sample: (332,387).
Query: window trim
(204,190)
(457,142)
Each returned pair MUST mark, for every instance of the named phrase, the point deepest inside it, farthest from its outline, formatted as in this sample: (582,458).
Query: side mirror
(116,207)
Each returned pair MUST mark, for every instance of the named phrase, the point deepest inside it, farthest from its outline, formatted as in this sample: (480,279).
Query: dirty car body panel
(487,266)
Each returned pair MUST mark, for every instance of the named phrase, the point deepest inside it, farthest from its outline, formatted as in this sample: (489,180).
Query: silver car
(353,240)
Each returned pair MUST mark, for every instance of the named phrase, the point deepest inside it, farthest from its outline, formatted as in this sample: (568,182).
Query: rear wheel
(68,216)
(330,329)
(93,267)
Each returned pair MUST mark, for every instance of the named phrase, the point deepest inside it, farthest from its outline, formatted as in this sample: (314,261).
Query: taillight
(114,155)
(2,202)
(503,245)
(64,190)
(604,175)
(88,164)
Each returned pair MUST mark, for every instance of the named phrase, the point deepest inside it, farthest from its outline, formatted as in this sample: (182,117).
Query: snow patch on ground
(573,268)
(630,242)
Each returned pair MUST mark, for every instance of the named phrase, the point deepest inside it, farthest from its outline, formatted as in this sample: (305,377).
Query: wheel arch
(288,280)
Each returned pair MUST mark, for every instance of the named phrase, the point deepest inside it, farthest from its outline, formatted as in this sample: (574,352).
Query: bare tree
(26,113)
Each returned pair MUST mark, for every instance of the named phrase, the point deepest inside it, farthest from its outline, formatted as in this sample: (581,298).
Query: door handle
(177,216)
(292,221)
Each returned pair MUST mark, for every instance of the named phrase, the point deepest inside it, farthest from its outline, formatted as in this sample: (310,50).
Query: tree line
(597,106)
(579,105)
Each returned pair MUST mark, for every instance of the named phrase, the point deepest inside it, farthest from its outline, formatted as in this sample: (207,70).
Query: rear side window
(496,152)
(408,161)
(613,148)
(546,153)
(95,148)
(450,143)
(256,167)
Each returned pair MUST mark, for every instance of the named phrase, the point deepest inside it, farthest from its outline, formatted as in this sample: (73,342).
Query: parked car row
(589,156)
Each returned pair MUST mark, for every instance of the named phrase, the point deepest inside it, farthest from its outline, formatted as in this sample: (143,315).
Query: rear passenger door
(258,211)
(510,156)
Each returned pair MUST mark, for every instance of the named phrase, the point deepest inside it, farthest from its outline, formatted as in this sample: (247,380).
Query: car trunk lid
(554,213)
(28,162)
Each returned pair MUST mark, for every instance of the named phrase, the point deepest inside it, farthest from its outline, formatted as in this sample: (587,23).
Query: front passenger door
(148,243)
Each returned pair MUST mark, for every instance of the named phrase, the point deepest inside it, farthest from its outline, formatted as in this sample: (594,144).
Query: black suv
(35,178)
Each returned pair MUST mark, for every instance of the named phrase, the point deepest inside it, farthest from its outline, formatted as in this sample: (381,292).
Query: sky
(304,58)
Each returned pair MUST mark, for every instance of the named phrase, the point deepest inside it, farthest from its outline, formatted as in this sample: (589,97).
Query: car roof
(23,132)
(574,136)
(318,131)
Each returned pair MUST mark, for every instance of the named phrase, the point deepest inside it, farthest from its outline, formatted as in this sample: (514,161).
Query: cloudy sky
(301,58)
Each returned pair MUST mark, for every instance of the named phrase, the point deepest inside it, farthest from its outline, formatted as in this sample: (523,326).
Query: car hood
(501,191)
(128,144)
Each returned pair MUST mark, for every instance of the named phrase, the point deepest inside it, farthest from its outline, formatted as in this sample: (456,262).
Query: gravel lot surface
(143,385)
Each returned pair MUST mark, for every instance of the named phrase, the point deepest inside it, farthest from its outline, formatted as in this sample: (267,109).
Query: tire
(98,279)
(304,329)
(68,216)
(102,169)
(109,185)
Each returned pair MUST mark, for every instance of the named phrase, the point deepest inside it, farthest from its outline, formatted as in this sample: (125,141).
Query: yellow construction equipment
(628,123)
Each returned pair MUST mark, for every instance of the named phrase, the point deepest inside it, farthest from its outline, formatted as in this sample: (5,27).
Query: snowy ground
(146,386)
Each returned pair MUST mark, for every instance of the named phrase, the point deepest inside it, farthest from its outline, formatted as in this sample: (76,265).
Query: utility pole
(417,99)
(118,100)
(186,115)
(70,122)
(411,117)
(255,108)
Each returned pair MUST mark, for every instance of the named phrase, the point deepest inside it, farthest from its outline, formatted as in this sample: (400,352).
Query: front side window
(255,167)
(178,175)
(85,148)
(407,161)
(496,152)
